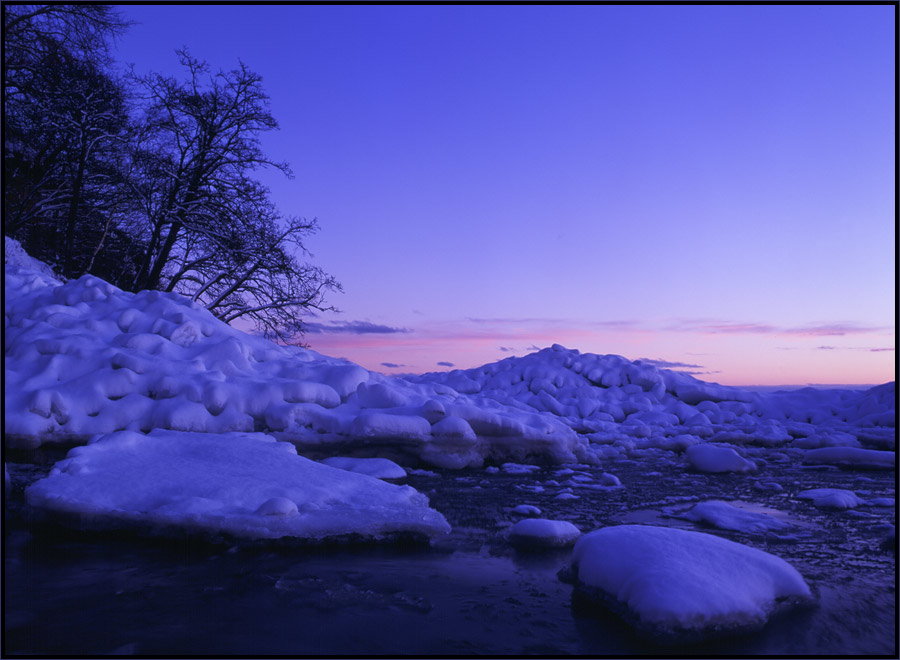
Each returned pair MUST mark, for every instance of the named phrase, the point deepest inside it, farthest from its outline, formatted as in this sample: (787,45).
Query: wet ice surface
(471,592)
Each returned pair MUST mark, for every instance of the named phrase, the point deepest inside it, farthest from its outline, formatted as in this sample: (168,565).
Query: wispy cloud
(868,349)
(507,349)
(391,365)
(837,329)
(352,327)
(665,364)
(833,329)
(446,364)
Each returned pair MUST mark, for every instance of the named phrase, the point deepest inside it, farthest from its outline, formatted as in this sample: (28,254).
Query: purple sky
(706,185)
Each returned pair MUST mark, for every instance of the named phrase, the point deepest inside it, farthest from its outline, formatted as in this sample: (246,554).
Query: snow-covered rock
(540,532)
(677,582)
(242,484)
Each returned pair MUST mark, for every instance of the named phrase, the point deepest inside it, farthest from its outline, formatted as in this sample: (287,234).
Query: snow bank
(673,581)
(244,484)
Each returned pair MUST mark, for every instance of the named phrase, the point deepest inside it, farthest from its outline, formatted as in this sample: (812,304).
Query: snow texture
(672,581)
(244,484)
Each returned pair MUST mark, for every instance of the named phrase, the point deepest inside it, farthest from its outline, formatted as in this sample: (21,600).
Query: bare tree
(211,231)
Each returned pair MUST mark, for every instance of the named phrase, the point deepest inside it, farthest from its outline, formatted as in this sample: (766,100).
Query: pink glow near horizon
(780,356)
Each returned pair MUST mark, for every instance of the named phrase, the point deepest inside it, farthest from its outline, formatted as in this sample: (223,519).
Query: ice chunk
(380,468)
(543,533)
(710,458)
(526,510)
(674,581)
(518,468)
(851,457)
(609,480)
(384,425)
(244,484)
(726,516)
(831,498)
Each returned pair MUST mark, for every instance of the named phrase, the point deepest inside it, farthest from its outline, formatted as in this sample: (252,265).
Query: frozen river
(470,592)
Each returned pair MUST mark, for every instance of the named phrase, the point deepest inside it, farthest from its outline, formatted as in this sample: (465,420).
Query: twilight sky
(710,186)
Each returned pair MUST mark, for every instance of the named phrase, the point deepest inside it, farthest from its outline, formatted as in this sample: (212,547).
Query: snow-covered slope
(83,358)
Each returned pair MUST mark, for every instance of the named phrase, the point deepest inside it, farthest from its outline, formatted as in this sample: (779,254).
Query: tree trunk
(71,220)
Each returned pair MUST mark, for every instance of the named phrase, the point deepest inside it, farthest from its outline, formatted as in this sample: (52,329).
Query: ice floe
(243,484)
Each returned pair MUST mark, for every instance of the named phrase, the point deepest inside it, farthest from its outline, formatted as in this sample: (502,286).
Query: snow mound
(612,400)
(243,484)
(380,468)
(540,532)
(674,582)
(727,516)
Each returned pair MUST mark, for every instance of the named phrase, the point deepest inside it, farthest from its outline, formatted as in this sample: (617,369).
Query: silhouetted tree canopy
(148,181)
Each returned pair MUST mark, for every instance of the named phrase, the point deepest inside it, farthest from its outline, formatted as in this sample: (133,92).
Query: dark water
(90,594)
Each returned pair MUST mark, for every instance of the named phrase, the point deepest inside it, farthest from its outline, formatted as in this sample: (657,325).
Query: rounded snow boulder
(677,583)
(543,533)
